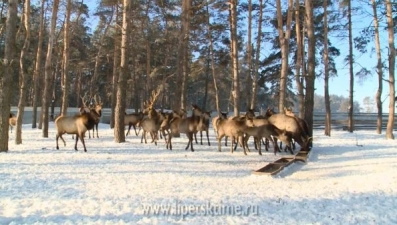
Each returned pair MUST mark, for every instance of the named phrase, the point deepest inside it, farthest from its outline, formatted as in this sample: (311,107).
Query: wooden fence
(362,121)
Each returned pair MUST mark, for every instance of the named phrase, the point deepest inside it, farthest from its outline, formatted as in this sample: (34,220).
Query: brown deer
(293,128)
(12,121)
(233,128)
(151,123)
(77,125)
(215,122)
(132,120)
(187,125)
(267,131)
(203,125)
(97,109)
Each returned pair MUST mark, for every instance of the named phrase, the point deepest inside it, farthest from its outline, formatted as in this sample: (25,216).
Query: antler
(97,100)
(84,100)
(155,94)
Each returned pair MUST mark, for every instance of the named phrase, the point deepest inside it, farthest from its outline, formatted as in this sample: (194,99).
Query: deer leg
(266,143)
(82,141)
(208,138)
(155,137)
(169,143)
(274,140)
(226,140)
(190,137)
(245,142)
(75,145)
(96,126)
(143,133)
(128,131)
(57,137)
(240,140)
(258,141)
(64,142)
(195,138)
(201,138)
(133,125)
(219,142)
(232,148)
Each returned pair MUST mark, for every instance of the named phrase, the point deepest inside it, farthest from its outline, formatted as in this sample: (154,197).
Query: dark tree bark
(6,73)
(119,135)
(214,77)
(351,90)
(311,64)
(379,68)
(284,45)
(234,57)
(327,130)
(48,71)
(23,74)
(392,64)
(379,71)
(257,58)
(37,68)
(299,60)
(65,69)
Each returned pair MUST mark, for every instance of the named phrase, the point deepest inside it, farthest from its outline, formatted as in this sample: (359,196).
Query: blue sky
(340,85)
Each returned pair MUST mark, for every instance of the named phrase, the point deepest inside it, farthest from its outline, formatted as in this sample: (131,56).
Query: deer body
(77,125)
(203,125)
(187,126)
(233,128)
(131,120)
(267,131)
(12,121)
(97,110)
(151,125)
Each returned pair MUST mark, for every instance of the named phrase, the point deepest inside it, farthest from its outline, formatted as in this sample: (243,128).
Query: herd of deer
(271,127)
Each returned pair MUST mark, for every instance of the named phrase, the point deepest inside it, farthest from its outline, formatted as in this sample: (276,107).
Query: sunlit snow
(350,178)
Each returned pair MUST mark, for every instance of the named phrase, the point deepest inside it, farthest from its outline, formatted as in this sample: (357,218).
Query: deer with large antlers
(96,108)
(151,123)
(77,125)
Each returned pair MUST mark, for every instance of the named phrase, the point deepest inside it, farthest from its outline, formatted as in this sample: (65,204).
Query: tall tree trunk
(299,62)
(351,90)
(186,4)
(284,45)
(327,130)
(6,73)
(234,57)
(209,32)
(119,135)
(48,70)
(23,73)
(37,68)
(257,57)
(248,81)
(311,65)
(115,75)
(392,63)
(379,67)
(65,69)
(207,77)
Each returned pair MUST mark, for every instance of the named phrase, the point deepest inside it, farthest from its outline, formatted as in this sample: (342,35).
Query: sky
(367,88)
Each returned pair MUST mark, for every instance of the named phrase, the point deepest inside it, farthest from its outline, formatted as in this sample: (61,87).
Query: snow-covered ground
(349,179)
